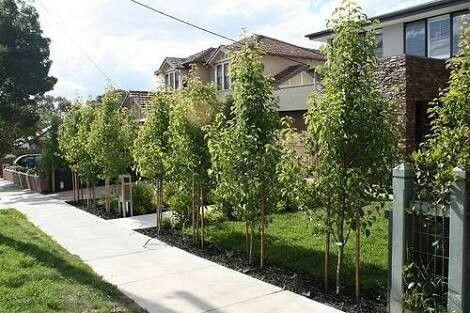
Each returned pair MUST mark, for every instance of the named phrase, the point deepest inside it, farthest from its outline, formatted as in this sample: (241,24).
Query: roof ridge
(288,43)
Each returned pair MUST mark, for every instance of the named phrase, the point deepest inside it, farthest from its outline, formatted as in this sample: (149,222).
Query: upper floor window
(439,37)
(380,45)
(457,29)
(221,77)
(173,80)
(415,38)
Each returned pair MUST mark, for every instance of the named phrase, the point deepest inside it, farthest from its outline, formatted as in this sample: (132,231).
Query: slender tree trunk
(327,259)
(247,239)
(107,196)
(262,225)
(88,202)
(73,188)
(339,267)
(202,216)
(157,207)
(250,255)
(53,180)
(193,208)
(358,257)
(94,195)
(81,188)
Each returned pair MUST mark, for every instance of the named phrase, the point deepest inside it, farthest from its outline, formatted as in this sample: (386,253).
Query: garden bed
(300,283)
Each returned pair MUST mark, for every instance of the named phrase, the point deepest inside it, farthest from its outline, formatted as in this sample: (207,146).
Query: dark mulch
(98,210)
(302,284)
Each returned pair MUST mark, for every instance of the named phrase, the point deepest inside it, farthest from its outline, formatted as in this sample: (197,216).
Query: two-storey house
(291,66)
(413,45)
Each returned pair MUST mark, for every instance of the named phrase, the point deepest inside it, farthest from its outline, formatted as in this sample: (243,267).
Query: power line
(78,46)
(201,28)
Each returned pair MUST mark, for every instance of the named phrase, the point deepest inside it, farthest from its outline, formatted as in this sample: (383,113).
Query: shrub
(143,198)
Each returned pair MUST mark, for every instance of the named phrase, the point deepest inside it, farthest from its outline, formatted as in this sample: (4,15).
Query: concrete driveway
(159,277)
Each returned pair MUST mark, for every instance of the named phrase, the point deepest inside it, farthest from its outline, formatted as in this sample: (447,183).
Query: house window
(457,29)
(439,37)
(379,52)
(219,76)
(226,77)
(177,80)
(415,38)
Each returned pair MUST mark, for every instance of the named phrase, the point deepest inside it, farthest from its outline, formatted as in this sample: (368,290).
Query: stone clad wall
(411,81)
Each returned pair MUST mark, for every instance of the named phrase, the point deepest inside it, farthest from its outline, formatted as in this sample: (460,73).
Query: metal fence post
(403,188)
(459,245)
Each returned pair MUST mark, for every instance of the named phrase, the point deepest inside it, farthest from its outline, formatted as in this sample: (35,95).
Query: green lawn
(293,244)
(37,275)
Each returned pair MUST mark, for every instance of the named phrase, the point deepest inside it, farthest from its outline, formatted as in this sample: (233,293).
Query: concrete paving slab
(199,290)
(278,302)
(136,222)
(147,265)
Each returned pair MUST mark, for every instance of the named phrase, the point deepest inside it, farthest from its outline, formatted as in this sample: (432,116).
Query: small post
(125,195)
(459,245)
(403,188)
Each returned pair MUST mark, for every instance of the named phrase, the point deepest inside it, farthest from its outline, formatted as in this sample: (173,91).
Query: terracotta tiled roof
(284,49)
(289,72)
(201,56)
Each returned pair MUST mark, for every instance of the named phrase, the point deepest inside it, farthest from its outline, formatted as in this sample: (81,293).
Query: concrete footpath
(159,277)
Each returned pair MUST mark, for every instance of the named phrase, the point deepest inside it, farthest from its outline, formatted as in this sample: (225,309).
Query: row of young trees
(96,143)
(238,152)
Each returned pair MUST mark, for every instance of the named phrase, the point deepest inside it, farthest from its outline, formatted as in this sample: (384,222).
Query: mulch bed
(98,211)
(303,284)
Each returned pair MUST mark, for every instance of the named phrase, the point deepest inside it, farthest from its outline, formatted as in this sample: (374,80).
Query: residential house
(291,66)
(413,45)
(136,101)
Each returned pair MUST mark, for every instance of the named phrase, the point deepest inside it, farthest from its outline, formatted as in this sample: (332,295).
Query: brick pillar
(403,188)
(458,300)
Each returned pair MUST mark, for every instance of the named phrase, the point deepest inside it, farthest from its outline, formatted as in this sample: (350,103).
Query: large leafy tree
(24,69)
(245,151)
(151,146)
(111,140)
(353,131)
(192,114)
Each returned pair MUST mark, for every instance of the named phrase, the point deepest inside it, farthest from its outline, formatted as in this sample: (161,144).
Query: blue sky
(128,42)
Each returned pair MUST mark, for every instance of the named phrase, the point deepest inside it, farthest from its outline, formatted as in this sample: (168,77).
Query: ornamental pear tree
(111,140)
(193,112)
(353,133)
(448,145)
(245,152)
(151,147)
(74,135)
(52,158)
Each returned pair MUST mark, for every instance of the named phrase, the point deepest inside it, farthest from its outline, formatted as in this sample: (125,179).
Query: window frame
(451,15)
(224,64)
(447,17)
(423,20)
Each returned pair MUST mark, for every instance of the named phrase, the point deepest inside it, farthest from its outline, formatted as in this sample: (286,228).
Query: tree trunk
(73,188)
(157,207)
(94,195)
(247,239)
(193,208)
(250,254)
(262,225)
(339,267)
(358,257)
(201,200)
(327,259)
(53,180)
(107,195)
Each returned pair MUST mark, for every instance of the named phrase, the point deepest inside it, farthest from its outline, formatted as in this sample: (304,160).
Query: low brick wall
(39,183)
(4,162)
